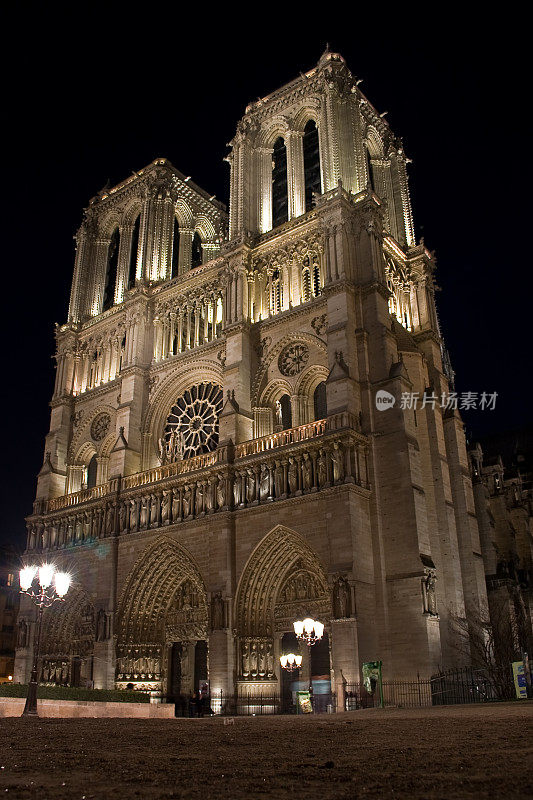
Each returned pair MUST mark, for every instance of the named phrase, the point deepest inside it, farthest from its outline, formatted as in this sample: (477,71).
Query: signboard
(519,675)
(303,703)
(372,678)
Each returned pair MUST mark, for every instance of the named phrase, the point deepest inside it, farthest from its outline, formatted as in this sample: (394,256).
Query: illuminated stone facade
(216,464)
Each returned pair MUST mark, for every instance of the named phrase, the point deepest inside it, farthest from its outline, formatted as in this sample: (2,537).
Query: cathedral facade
(220,461)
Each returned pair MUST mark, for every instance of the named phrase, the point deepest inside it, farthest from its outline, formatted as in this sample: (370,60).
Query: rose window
(192,425)
(100,427)
(293,359)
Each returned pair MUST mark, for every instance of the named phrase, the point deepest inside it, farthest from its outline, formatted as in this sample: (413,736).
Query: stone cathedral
(217,465)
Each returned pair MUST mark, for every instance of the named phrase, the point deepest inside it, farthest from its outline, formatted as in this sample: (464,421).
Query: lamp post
(44,585)
(309,631)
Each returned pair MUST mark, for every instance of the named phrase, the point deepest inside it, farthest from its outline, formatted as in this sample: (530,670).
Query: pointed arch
(279,556)
(150,591)
(70,627)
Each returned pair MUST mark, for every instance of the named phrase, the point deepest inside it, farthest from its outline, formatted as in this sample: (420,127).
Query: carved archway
(163,601)
(282,580)
(68,635)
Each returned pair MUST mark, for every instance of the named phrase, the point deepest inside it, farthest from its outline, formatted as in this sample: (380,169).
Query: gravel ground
(451,752)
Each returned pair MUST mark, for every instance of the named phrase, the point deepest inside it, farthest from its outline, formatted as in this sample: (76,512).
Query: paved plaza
(449,752)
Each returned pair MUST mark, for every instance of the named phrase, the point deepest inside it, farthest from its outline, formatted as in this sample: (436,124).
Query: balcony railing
(310,458)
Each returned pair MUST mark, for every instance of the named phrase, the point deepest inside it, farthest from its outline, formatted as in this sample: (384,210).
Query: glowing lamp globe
(62,583)
(26,577)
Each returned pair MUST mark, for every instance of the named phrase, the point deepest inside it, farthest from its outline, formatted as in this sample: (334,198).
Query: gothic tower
(218,461)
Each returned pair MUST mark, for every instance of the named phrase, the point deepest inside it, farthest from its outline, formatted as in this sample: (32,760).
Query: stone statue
(250,486)
(337,459)
(245,659)
(264,482)
(144,513)
(101,626)
(175,504)
(162,449)
(431,597)
(269,659)
(322,469)
(341,598)
(261,660)
(237,495)
(199,498)
(210,495)
(307,472)
(133,515)
(221,491)
(293,475)
(122,516)
(253,659)
(154,510)
(22,634)
(217,611)
(110,514)
(279,413)
(165,507)
(278,479)
(187,494)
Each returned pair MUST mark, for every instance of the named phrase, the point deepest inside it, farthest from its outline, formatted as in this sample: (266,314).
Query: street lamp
(309,631)
(290,661)
(44,585)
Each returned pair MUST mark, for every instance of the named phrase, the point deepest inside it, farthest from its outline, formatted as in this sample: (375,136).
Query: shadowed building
(218,461)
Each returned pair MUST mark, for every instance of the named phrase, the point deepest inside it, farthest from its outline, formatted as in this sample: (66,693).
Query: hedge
(74,693)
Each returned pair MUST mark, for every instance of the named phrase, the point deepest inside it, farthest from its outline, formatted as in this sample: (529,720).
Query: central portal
(188,670)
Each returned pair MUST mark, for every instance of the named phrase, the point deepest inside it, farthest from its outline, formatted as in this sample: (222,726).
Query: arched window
(319,401)
(175,248)
(91,472)
(311,163)
(280,202)
(196,254)
(111,271)
(286,411)
(132,270)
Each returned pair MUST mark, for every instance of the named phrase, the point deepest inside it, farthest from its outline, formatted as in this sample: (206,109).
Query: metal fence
(450,687)
(445,688)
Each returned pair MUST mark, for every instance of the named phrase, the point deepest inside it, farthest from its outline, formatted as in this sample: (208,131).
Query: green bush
(74,693)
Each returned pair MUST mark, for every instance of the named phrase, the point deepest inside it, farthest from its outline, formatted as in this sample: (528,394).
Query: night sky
(91,99)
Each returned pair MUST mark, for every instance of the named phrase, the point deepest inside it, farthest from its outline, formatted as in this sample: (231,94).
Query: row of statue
(277,478)
(139,663)
(257,658)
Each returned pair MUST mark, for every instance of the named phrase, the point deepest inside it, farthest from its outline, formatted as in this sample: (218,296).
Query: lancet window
(319,401)
(175,249)
(196,250)
(280,201)
(111,271)
(311,153)
(132,269)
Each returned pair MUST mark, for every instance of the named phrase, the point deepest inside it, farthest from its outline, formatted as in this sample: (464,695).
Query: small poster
(372,679)
(303,700)
(519,675)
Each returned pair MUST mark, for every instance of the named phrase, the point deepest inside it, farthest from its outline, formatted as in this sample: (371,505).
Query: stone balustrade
(291,463)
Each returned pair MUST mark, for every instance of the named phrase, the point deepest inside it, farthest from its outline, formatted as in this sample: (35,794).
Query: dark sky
(91,98)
